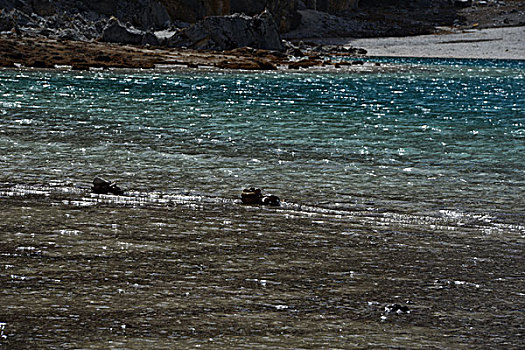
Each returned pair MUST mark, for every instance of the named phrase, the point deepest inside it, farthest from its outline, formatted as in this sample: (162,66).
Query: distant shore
(41,52)
(493,43)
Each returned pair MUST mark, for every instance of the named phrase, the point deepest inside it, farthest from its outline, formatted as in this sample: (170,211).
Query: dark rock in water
(251,195)
(230,32)
(101,186)
(396,308)
(254,195)
(271,200)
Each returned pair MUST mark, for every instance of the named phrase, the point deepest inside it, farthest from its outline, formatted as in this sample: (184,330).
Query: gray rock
(284,12)
(20,18)
(150,39)
(317,24)
(6,21)
(230,32)
(249,7)
(22,5)
(69,34)
(116,32)
(155,16)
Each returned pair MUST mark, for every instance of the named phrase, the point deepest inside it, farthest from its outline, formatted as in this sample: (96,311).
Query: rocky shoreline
(52,53)
(46,34)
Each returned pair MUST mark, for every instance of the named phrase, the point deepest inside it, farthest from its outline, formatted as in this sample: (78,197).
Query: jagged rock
(284,12)
(116,32)
(101,186)
(230,32)
(69,34)
(193,11)
(317,24)
(331,6)
(144,14)
(6,21)
(14,18)
(150,39)
(22,5)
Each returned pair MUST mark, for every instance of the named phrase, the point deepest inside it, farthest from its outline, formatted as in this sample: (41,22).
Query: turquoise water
(442,136)
(415,170)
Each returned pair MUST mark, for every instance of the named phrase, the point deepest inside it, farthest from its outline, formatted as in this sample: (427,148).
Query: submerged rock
(101,186)
(230,32)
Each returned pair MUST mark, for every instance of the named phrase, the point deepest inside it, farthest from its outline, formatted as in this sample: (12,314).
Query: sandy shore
(494,43)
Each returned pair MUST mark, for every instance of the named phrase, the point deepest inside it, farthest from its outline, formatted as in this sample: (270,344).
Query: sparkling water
(401,184)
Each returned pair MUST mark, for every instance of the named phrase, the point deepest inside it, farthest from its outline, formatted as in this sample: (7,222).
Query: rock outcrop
(154,22)
(195,10)
(229,32)
(284,12)
(331,6)
(116,32)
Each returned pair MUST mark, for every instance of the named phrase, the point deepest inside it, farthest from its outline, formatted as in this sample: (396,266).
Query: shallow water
(404,185)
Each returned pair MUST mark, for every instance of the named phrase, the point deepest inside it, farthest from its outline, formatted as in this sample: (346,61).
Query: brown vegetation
(44,52)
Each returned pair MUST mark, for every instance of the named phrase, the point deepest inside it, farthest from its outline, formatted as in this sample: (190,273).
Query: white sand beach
(494,43)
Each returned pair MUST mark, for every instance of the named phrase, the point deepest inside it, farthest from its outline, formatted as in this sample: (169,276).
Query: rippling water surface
(404,185)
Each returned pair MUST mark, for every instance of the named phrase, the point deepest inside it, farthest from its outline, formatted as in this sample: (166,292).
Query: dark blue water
(411,177)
